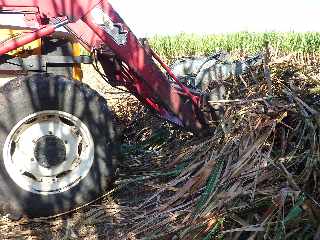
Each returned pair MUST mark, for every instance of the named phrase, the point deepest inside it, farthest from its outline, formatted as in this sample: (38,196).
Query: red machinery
(137,72)
(125,61)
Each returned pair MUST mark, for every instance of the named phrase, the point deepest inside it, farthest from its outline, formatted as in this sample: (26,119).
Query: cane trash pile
(256,176)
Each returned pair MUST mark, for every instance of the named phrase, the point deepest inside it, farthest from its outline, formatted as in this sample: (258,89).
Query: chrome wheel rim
(48,152)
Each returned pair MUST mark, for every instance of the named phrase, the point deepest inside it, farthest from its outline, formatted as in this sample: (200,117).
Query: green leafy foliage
(171,47)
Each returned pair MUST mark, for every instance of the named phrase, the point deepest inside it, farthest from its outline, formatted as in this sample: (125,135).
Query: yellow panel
(76,70)
(33,48)
(76,49)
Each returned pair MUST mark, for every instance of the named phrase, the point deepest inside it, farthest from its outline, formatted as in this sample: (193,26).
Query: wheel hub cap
(50,151)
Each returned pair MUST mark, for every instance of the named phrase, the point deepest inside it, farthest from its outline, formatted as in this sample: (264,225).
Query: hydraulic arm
(124,59)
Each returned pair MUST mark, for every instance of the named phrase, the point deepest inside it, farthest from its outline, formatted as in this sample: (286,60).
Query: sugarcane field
(254,174)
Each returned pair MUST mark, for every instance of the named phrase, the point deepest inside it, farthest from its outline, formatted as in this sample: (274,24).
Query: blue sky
(149,17)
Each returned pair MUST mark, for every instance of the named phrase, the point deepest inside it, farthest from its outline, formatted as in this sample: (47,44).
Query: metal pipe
(61,24)
(26,38)
(194,98)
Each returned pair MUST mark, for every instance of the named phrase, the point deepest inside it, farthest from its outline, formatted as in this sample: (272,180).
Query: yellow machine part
(34,48)
(76,70)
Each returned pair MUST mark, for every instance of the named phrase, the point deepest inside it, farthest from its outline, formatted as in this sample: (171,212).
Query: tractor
(56,133)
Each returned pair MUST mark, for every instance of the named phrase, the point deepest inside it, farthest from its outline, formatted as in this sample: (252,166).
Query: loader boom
(124,59)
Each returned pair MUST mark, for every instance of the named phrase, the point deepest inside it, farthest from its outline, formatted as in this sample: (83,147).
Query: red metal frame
(26,38)
(139,73)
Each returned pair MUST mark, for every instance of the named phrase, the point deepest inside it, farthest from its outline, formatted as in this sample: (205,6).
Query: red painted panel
(55,8)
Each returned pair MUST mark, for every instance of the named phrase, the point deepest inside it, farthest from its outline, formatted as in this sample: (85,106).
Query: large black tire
(26,95)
